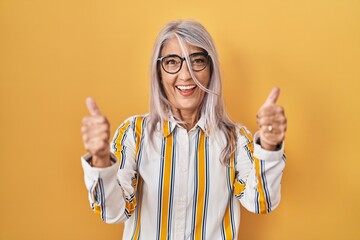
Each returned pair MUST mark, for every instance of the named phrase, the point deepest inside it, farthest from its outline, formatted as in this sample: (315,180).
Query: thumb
(273,96)
(92,107)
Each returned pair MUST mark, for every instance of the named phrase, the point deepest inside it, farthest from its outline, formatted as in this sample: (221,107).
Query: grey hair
(212,107)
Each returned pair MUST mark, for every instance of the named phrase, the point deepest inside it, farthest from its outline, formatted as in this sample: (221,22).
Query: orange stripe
(166,187)
(201,186)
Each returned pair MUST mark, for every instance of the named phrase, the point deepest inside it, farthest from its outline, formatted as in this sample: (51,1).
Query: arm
(111,190)
(258,174)
(259,164)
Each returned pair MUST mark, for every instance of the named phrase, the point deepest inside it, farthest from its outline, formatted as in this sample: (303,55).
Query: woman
(184,168)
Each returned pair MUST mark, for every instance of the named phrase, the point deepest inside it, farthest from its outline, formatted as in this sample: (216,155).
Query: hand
(272,121)
(96,134)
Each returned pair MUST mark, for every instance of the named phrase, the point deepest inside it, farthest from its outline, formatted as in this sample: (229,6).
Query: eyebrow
(173,54)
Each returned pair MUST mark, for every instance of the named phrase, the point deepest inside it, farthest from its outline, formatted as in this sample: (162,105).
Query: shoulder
(134,122)
(136,118)
(244,136)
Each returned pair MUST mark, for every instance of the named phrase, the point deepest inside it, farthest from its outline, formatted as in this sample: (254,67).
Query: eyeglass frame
(182,59)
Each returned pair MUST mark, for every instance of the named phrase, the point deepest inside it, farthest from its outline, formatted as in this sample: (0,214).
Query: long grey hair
(212,108)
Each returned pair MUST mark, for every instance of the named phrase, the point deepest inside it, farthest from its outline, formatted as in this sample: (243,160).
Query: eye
(169,61)
(198,59)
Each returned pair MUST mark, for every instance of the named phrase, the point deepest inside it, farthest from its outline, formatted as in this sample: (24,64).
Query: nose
(184,73)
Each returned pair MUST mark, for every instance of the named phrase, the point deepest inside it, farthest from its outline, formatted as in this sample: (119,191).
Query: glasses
(172,63)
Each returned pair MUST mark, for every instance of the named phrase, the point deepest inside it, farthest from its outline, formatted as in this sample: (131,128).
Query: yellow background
(53,54)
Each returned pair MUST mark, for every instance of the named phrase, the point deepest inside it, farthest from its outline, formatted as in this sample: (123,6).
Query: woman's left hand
(272,122)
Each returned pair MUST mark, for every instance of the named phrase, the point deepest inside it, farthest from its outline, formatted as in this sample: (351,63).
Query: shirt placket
(182,172)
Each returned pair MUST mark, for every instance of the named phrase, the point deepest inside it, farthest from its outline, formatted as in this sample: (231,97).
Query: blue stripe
(141,142)
(173,160)
(195,183)
(222,231)
(249,153)
(256,201)
(102,202)
(138,194)
(232,216)
(116,136)
(133,126)
(207,187)
(123,150)
(162,160)
(265,185)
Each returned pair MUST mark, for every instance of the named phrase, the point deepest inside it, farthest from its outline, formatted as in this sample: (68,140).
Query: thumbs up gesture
(272,121)
(96,135)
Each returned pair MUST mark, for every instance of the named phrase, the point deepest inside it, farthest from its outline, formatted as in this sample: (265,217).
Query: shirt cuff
(96,173)
(267,155)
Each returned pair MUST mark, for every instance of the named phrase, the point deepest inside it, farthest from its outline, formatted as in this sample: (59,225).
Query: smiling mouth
(186,88)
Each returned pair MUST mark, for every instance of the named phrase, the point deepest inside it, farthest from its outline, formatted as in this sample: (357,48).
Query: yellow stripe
(166,129)
(201,186)
(260,189)
(137,229)
(166,187)
(97,209)
(238,188)
(131,205)
(262,201)
(138,133)
(227,217)
(227,223)
(118,145)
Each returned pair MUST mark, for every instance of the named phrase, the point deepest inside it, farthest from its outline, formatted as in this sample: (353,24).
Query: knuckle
(85,119)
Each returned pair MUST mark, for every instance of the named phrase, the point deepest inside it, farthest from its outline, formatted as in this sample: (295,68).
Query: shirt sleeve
(258,174)
(112,190)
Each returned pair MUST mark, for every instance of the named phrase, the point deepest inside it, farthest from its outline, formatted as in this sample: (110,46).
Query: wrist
(100,162)
(268,147)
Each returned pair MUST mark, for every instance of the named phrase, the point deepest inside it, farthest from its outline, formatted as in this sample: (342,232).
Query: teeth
(186,87)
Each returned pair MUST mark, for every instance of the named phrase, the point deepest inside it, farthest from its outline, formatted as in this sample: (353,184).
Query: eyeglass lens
(173,63)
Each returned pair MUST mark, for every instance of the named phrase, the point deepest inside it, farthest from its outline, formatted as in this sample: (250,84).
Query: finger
(272,120)
(95,133)
(272,97)
(92,107)
(92,120)
(270,111)
(96,146)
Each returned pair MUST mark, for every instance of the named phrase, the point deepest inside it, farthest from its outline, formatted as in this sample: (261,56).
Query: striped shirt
(177,187)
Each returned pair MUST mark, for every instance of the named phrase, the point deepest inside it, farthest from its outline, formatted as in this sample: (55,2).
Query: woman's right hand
(95,132)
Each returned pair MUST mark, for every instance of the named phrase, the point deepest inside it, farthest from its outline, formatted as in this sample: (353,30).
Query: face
(182,92)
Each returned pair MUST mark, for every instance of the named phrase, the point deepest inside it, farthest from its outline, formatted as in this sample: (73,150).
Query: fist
(95,132)
(272,121)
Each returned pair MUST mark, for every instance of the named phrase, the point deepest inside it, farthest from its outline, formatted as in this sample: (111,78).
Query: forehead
(172,46)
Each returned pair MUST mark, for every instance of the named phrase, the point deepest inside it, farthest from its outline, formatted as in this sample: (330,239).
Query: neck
(189,118)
